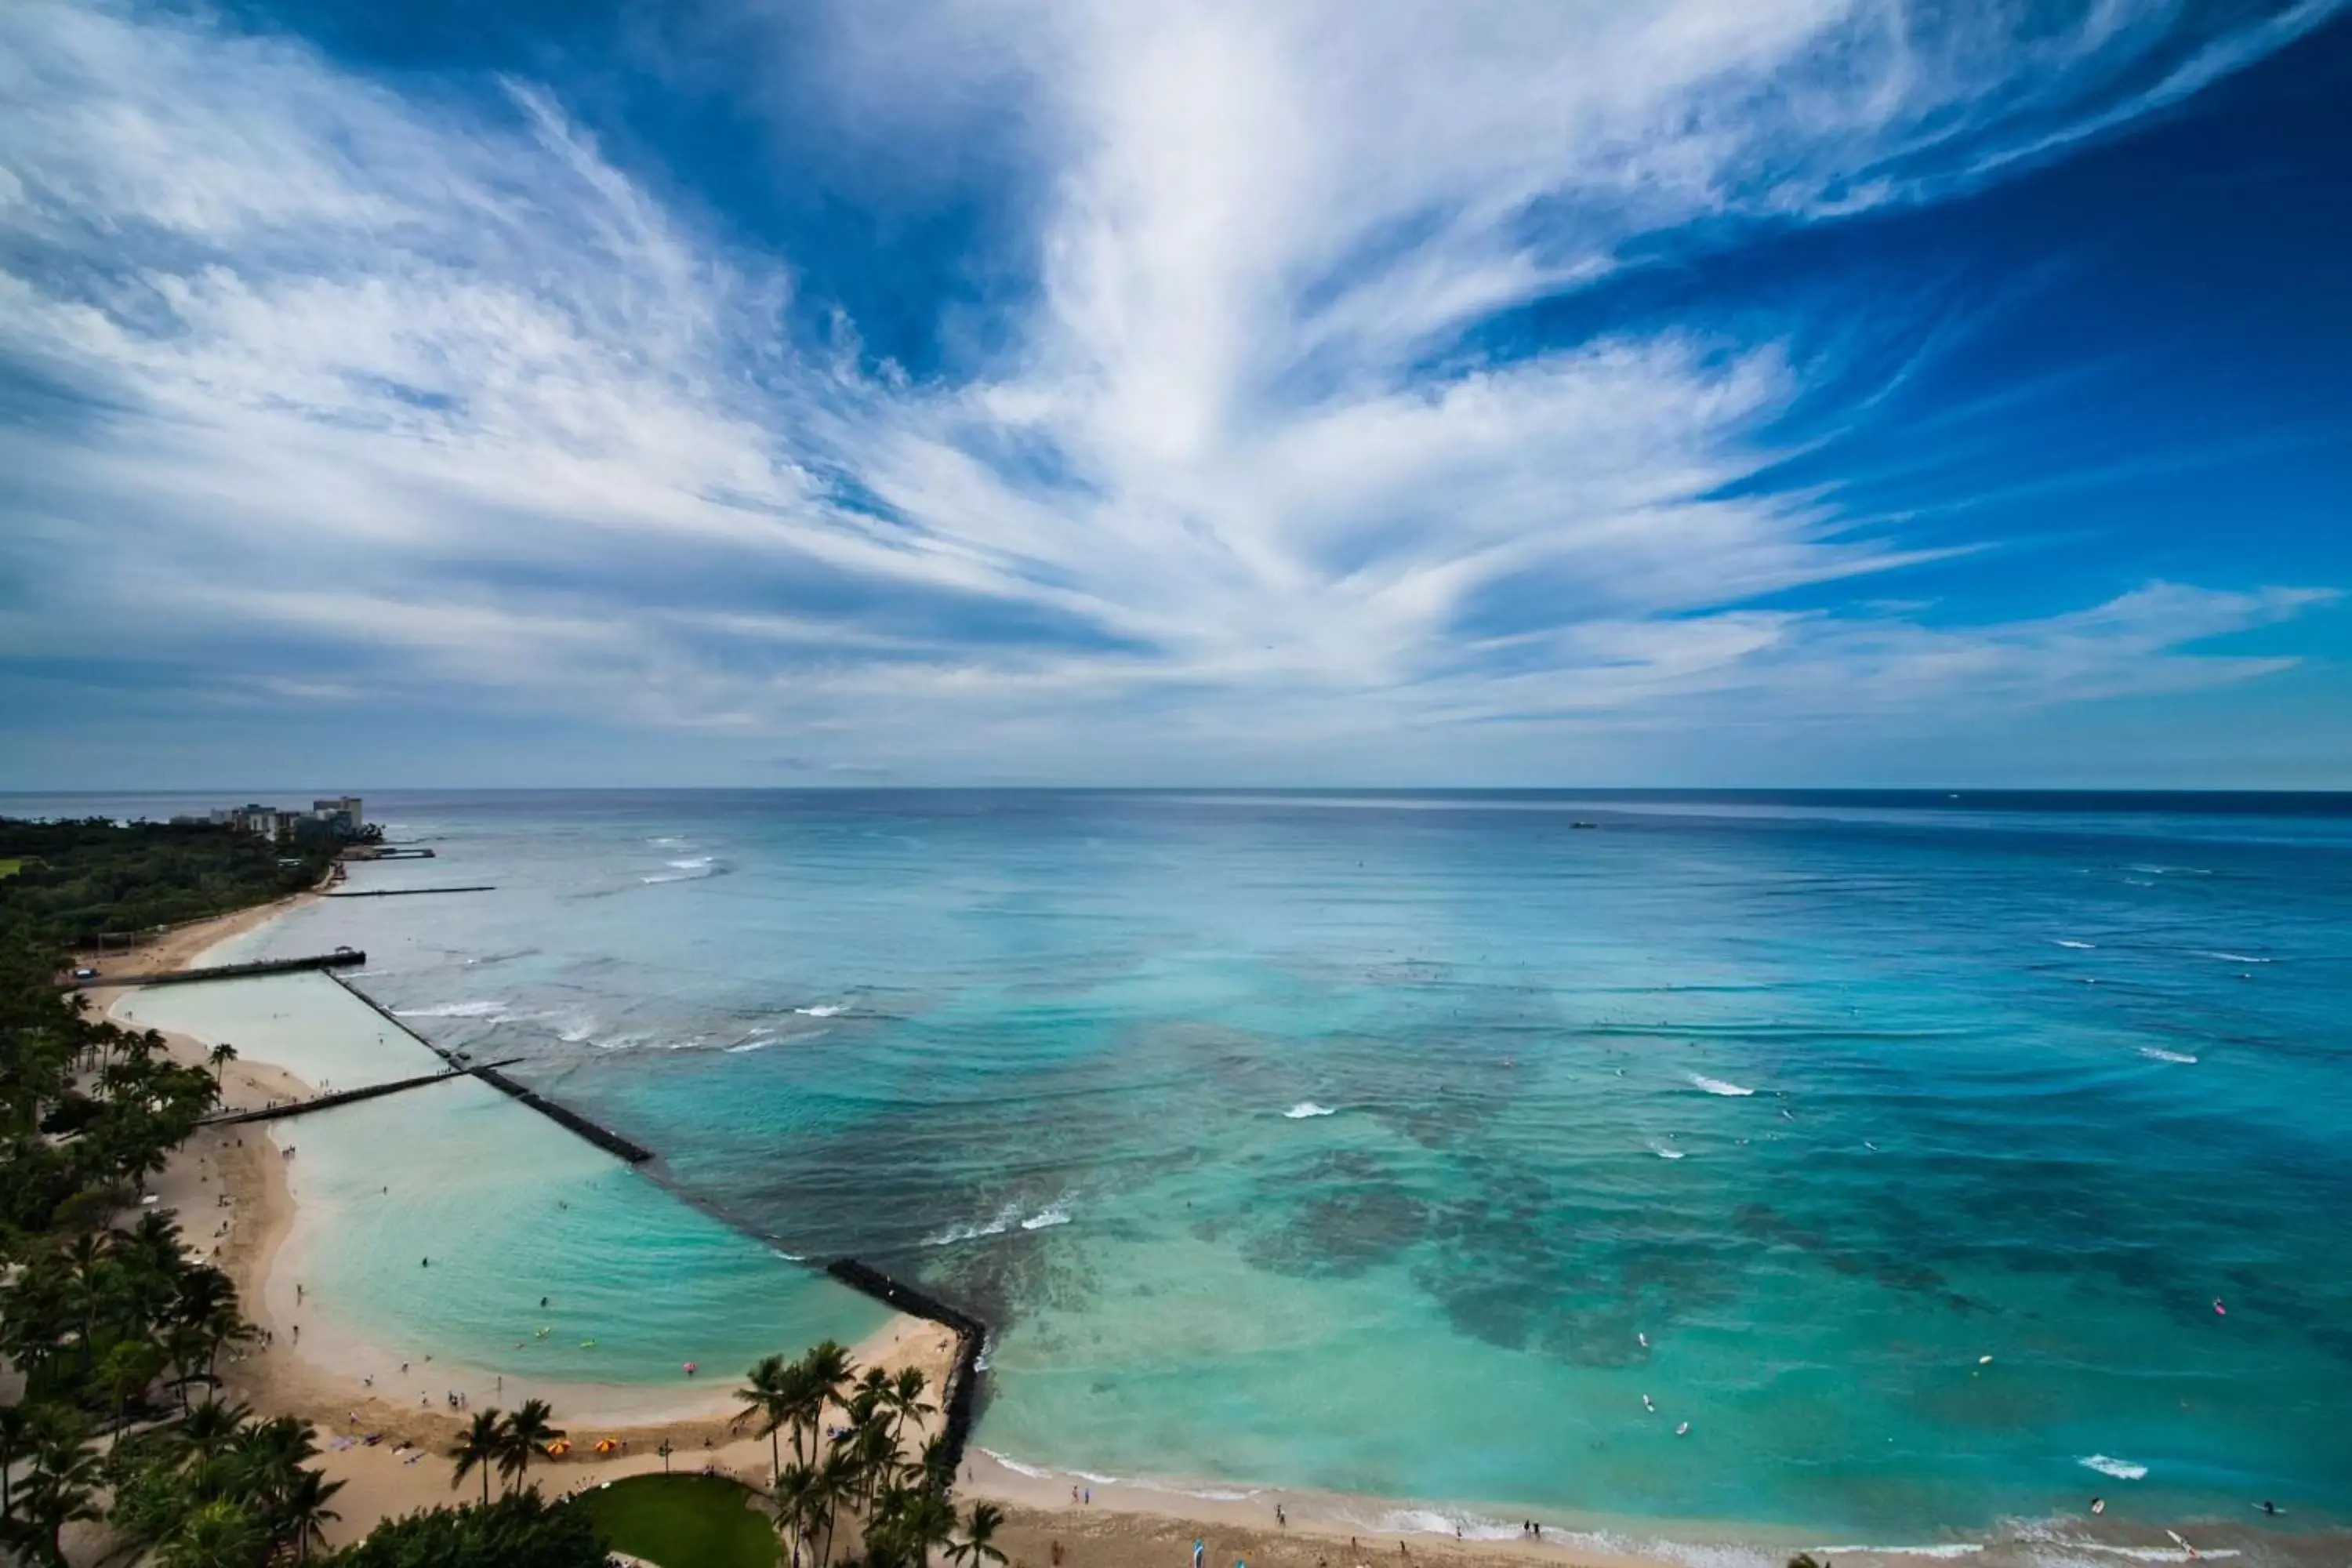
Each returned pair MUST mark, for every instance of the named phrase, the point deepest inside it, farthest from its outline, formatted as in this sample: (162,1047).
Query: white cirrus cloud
(418,383)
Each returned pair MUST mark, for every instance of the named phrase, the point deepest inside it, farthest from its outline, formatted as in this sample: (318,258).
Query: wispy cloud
(420,384)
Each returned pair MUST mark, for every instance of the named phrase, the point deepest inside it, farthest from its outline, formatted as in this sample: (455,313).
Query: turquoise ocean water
(1404,1144)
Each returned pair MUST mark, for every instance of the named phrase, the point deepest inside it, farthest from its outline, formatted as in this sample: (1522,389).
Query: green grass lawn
(10,867)
(683,1522)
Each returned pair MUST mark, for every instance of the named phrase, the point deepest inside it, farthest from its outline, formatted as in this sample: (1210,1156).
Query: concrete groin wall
(343,958)
(328,1102)
(411,893)
(605,1138)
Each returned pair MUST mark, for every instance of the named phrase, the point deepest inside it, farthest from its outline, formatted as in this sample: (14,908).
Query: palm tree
(17,1437)
(835,1487)
(826,1369)
(221,1534)
(303,1512)
(768,1396)
(483,1448)
(273,1452)
(797,1504)
(872,1394)
(62,1486)
(211,1426)
(200,1293)
(527,1435)
(934,1467)
(87,1267)
(872,1457)
(828,1363)
(907,1525)
(223,1328)
(904,1399)
(220,1056)
(153,1258)
(129,1367)
(979,1543)
(186,1349)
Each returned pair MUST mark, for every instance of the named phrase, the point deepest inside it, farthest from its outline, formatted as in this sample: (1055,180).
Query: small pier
(413,892)
(341,1096)
(971,1337)
(341,958)
(605,1138)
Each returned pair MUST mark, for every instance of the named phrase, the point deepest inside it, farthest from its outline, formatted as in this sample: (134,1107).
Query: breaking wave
(1307,1108)
(455,1010)
(1430,1521)
(1005,1219)
(693,868)
(1953,1549)
(1717,1086)
(2122,1469)
(2158,1053)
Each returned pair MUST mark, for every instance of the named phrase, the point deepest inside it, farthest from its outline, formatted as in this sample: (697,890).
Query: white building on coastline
(342,815)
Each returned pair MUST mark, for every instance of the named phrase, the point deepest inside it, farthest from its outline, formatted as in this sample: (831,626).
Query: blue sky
(755,391)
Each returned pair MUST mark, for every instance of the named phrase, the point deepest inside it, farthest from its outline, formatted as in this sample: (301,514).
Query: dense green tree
(520,1530)
(60,1485)
(221,1534)
(16,1439)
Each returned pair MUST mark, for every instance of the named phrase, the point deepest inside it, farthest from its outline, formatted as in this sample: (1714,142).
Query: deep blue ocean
(1936,1160)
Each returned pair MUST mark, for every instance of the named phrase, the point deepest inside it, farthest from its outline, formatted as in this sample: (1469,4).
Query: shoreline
(223,1174)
